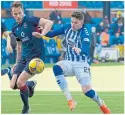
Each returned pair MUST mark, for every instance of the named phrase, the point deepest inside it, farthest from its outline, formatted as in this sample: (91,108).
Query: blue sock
(24,93)
(61,81)
(4,71)
(9,73)
(94,96)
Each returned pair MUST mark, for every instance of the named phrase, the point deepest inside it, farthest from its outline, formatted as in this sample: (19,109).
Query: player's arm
(57,32)
(85,48)
(18,47)
(18,51)
(6,34)
(18,56)
(45,25)
(9,48)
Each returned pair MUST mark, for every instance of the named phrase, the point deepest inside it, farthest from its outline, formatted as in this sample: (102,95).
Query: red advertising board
(60,4)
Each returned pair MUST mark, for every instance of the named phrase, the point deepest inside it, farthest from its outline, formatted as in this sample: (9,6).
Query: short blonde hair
(17,4)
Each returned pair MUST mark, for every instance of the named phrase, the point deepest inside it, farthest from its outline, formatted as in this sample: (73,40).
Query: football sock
(9,73)
(61,81)
(24,92)
(94,96)
(29,84)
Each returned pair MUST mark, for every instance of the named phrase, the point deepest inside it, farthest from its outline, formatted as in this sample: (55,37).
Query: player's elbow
(51,22)
(12,86)
(6,34)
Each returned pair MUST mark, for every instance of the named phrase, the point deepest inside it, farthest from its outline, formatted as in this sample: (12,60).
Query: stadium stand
(27,4)
(90,4)
(99,4)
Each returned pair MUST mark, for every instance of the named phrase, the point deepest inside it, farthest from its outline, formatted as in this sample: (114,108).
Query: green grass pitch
(53,102)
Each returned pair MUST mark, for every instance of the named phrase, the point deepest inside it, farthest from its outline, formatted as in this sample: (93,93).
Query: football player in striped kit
(76,60)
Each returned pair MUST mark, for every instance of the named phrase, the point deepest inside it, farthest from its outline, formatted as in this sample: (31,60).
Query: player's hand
(77,50)
(36,34)
(40,28)
(9,49)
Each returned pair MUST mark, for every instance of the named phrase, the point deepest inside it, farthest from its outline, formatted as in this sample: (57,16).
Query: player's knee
(86,84)
(19,83)
(57,70)
(12,86)
(86,88)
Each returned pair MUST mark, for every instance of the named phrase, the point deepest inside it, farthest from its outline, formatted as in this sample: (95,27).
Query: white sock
(62,83)
(67,94)
(97,99)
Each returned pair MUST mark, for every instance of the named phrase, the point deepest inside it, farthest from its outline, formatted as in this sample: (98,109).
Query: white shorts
(79,69)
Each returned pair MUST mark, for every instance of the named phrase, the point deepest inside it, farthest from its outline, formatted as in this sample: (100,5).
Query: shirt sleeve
(34,20)
(86,43)
(58,31)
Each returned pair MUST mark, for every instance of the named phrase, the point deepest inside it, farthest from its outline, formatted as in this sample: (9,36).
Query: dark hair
(78,15)
(17,4)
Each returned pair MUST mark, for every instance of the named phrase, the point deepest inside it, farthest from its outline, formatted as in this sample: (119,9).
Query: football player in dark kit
(28,47)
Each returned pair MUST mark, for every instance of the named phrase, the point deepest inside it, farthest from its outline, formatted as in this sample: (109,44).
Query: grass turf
(54,102)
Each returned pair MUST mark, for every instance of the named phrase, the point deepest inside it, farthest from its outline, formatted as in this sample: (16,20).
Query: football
(36,66)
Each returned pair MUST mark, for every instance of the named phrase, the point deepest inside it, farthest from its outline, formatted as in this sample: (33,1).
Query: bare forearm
(18,57)
(47,28)
(46,25)
(9,48)
(8,41)
(7,37)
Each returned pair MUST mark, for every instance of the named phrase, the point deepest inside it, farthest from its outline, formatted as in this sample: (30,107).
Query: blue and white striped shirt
(79,39)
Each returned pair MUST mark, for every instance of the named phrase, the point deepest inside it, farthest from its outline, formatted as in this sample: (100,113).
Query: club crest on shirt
(86,39)
(25,25)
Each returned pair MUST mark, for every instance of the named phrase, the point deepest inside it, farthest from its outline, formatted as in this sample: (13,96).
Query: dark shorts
(22,65)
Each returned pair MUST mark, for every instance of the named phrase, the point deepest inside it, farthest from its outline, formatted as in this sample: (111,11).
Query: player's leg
(24,90)
(4,71)
(92,94)
(30,84)
(7,71)
(13,81)
(19,68)
(60,69)
(26,87)
(82,72)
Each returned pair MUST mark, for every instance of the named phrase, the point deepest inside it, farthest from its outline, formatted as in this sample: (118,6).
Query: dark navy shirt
(31,46)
